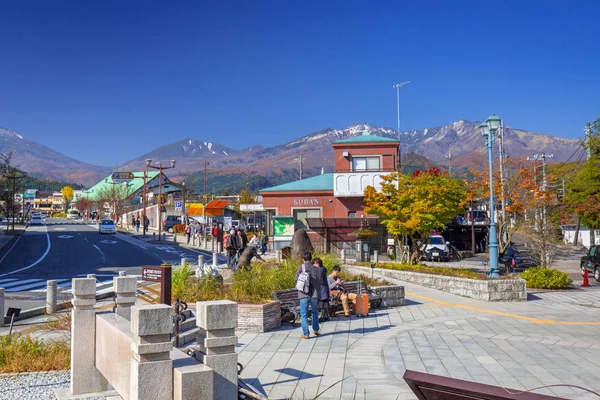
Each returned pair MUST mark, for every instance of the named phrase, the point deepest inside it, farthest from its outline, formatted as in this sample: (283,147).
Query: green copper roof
(107,185)
(319,182)
(366,139)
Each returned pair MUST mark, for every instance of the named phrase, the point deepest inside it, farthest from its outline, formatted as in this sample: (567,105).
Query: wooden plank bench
(290,303)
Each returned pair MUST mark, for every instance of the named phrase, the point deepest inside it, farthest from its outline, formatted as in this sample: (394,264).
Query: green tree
(416,204)
(583,194)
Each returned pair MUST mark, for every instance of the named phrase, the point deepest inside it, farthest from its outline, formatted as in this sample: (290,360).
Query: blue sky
(106,81)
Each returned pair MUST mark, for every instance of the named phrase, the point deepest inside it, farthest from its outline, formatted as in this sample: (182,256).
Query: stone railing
(130,352)
(486,290)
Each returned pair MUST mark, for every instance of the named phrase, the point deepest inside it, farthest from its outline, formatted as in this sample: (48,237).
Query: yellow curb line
(502,314)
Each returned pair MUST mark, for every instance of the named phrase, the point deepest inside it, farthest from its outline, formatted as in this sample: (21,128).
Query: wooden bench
(290,303)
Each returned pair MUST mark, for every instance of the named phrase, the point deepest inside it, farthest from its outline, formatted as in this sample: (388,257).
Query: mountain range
(458,144)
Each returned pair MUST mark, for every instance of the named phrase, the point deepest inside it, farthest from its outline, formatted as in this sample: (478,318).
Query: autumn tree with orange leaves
(416,204)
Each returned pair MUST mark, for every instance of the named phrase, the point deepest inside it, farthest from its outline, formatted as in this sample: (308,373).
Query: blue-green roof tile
(320,182)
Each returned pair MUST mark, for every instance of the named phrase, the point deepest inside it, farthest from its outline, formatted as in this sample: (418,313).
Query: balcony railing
(353,184)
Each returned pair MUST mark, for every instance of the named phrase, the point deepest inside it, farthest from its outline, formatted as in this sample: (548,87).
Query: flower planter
(486,290)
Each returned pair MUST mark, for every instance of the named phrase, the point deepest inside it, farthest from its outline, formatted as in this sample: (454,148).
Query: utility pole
(449,157)
(301,167)
(397,86)
(543,157)
(588,136)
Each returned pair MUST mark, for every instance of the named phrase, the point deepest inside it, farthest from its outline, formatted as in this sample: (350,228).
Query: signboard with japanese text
(283,226)
(151,274)
(122,176)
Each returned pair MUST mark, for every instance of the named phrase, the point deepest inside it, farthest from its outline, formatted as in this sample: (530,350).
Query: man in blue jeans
(312,297)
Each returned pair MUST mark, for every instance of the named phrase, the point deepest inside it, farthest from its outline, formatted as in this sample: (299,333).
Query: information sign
(151,274)
(178,205)
(122,176)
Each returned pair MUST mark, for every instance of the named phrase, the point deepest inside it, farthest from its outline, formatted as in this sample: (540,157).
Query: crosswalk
(39,285)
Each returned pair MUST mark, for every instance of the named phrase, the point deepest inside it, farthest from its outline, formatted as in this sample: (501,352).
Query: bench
(290,303)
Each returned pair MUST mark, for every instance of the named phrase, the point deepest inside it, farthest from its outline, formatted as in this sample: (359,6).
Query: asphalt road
(63,249)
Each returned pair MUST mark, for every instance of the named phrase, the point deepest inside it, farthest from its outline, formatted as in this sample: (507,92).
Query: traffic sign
(122,176)
(178,205)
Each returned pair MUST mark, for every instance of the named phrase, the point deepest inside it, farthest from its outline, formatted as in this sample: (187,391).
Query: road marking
(102,256)
(109,241)
(59,229)
(35,263)
(503,314)
(65,237)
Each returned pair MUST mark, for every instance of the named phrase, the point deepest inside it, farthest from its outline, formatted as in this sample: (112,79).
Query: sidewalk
(551,339)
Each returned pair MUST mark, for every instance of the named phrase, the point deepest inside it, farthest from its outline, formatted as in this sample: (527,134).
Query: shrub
(179,278)
(178,228)
(546,278)
(22,353)
(60,215)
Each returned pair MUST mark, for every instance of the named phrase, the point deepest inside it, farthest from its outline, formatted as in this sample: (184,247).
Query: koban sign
(306,202)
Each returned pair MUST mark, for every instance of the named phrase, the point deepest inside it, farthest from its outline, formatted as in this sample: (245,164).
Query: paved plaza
(551,339)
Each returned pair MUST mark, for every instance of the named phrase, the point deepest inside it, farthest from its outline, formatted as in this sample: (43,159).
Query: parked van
(479,217)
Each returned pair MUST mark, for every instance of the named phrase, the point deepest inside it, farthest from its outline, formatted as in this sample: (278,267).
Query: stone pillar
(343,255)
(91,276)
(214,260)
(216,338)
(192,382)
(122,273)
(51,295)
(375,256)
(200,261)
(183,261)
(151,365)
(125,289)
(278,256)
(85,378)
(1,306)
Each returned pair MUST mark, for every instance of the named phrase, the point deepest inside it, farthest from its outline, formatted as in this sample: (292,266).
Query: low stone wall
(259,317)
(391,296)
(486,290)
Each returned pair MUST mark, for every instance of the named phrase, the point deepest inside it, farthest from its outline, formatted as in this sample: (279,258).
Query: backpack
(303,283)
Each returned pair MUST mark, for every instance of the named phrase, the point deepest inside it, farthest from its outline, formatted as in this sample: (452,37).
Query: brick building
(330,206)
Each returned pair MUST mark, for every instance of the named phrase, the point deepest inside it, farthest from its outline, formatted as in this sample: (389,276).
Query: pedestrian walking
(188,232)
(137,224)
(146,224)
(233,244)
(264,240)
(133,222)
(309,277)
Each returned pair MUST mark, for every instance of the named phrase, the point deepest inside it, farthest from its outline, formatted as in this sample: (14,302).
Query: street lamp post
(145,194)
(488,131)
(160,168)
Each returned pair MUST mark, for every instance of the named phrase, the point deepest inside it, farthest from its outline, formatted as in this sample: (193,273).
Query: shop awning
(194,209)
(215,208)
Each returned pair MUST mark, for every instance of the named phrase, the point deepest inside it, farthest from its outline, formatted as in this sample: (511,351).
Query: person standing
(137,224)
(264,240)
(324,293)
(310,297)
(146,224)
(233,244)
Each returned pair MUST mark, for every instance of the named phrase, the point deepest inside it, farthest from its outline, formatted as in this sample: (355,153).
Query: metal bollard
(51,295)
(375,256)
(91,276)
(175,237)
(219,247)
(200,260)
(153,235)
(193,240)
(122,273)
(214,260)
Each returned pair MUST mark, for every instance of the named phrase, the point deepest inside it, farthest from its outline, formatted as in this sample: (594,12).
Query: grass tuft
(23,353)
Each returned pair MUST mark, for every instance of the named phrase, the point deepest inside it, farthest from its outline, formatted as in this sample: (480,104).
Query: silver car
(107,226)
(36,220)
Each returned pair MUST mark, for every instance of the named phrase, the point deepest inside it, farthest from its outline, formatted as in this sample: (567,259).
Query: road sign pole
(165,284)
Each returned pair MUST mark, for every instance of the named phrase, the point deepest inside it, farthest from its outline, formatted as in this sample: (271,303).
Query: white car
(36,220)
(107,226)
(437,249)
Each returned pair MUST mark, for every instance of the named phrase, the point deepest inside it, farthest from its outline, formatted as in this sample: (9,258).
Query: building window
(365,163)
(351,214)
(301,215)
